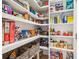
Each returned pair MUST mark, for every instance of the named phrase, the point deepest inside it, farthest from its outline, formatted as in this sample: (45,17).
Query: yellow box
(70,19)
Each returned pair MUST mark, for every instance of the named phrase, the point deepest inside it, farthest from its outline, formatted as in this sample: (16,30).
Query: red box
(6,36)
(12,31)
(6,32)
(9,32)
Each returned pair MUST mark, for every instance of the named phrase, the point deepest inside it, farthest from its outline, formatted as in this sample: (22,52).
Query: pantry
(39,29)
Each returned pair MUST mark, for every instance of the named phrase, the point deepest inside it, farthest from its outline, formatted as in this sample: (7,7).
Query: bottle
(60,55)
(58,20)
(64,19)
(32,10)
(51,20)
(55,19)
(53,32)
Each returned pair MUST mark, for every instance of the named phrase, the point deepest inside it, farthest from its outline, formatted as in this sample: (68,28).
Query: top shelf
(62,11)
(35,5)
(23,10)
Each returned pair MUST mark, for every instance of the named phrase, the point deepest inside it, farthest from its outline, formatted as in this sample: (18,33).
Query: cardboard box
(70,19)
(6,33)
(12,31)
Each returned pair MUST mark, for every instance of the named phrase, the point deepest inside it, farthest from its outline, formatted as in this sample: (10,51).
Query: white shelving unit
(22,10)
(63,25)
(33,3)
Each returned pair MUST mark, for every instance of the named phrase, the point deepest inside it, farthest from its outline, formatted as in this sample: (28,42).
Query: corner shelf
(9,47)
(23,10)
(62,49)
(15,18)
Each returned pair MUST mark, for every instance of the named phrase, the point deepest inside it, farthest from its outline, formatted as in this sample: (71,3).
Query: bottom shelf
(61,54)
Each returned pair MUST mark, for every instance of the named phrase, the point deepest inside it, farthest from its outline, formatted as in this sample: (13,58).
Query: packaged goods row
(66,43)
(60,32)
(56,5)
(62,18)
(58,54)
(13,32)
